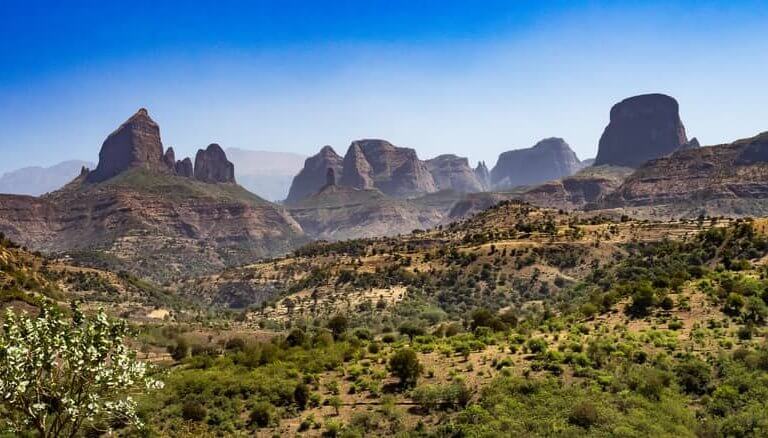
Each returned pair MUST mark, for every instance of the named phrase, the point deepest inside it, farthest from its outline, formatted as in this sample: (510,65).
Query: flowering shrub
(58,376)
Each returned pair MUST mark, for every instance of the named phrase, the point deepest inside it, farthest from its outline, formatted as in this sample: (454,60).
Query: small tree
(405,365)
(335,403)
(411,330)
(58,376)
(338,325)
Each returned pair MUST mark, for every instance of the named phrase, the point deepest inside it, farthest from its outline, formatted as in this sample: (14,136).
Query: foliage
(60,375)
(405,365)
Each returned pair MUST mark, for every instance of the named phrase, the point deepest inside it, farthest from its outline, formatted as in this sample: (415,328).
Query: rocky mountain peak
(396,171)
(641,128)
(357,171)
(453,172)
(550,158)
(185,168)
(169,158)
(483,175)
(212,166)
(314,174)
(136,143)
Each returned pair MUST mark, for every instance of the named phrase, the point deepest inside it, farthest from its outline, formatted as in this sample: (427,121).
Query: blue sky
(471,78)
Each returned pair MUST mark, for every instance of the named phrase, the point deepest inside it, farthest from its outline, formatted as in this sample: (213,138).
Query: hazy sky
(473,78)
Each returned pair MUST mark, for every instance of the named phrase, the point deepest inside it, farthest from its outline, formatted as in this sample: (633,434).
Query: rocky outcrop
(548,159)
(212,166)
(642,128)
(312,176)
(170,159)
(356,170)
(149,221)
(483,175)
(577,191)
(691,179)
(330,177)
(453,173)
(185,168)
(394,170)
(135,144)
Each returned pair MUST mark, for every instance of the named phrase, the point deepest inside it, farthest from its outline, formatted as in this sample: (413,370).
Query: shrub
(180,351)
(235,344)
(584,414)
(405,365)
(643,299)
(301,396)
(262,414)
(193,411)
(338,325)
(694,376)
(296,338)
(537,345)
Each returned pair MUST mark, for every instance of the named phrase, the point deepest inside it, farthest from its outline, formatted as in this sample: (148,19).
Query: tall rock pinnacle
(136,143)
(212,166)
(642,128)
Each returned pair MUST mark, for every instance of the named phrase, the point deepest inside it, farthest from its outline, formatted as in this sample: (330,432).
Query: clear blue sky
(468,77)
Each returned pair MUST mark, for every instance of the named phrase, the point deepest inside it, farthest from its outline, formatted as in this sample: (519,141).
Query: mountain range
(143,210)
(37,180)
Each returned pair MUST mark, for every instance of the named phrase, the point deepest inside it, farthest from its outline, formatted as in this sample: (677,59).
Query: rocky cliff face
(185,168)
(453,173)
(394,170)
(577,191)
(135,144)
(356,170)
(642,128)
(549,159)
(149,220)
(483,175)
(699,179)
(311,178)
(212,166)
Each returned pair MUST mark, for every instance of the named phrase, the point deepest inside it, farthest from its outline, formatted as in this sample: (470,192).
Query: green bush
(262,414)
(193,411)
(405,365)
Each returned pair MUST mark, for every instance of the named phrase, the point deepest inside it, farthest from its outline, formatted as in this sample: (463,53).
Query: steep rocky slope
(577,191)
(548,159)
(725,179)
(147,219)
(642,128)
(313,175)
(394,171)
(453,173)
(379,164)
